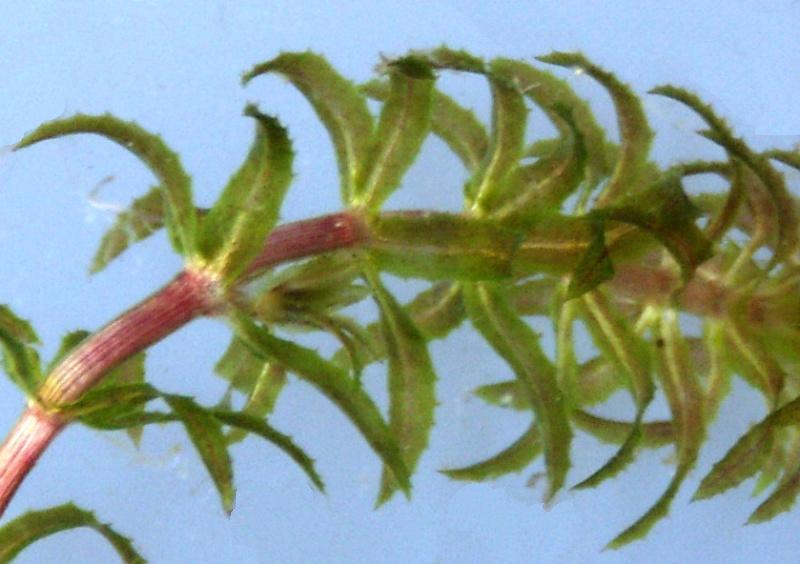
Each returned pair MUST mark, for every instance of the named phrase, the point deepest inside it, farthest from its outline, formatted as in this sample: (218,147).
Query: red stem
(191,294)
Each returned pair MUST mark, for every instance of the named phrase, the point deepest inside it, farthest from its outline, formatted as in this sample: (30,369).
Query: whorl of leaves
(574,228)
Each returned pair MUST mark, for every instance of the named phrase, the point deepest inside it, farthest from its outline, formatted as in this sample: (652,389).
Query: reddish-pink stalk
(189,295)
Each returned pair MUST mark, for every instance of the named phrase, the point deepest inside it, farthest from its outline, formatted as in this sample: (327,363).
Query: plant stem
(191,294)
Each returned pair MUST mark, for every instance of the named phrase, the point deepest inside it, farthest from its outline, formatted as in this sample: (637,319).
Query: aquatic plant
(575,228)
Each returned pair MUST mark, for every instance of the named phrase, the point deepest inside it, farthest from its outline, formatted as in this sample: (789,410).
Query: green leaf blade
(635,132)
(338,104)
(206,435)
(233,232)
(149,148)
(254,425)
(411,381)
(335,384)
(517,344)
(26,529)
(403,125)
(144,217)
(514,458)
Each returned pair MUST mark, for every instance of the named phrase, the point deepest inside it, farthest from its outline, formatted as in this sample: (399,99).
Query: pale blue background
(174,68)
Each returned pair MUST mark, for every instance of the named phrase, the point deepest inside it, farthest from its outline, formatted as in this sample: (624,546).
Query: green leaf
(335,384)
(206,434)
(749,453)
(17,328)
(594,267)
(773,181)
(779,501)
(164,163)
(452,123)
(233,232)
(515,458)
(338,105)
(518,345)
(666,212)
(685,400)
(548,182)
(29,527)
(627,351)
(635,134)
(489,188)
(556,97)
(144,217)
(254,425)
(20,358)
(261,382)
(403,125)
(411,381)
(654,434)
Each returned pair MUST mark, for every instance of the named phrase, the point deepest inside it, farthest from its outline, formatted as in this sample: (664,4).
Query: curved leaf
(749,453)
(338,105)
(721,134)
(455,125)
(403,125)
(206,434)
(518,345)
(335,384)
(516,457)
(411,381)
(233,232)
(250,424)
(144,217)
(488,189)
(29,527)
(635,133)
(686,405)
(164,163)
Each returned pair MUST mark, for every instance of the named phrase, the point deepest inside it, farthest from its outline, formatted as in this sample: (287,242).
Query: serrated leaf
(555,96)
(32,526)
(779,501)
(548,182)
(233,232)
(335,384)
(518,345)
(261,401)
(773,181)
(254,425)
(206,435)
(635,133)
(411,381)
(452,123)
(509,394)
(749,453)
(628,353)
(20,358)
(21,363)
(402,127)
(488,189)
(666,212)
(338,105)
(654,434)
(516,457)
(164,163)
(144,217)
(17,328)
(686,406)
(751,359)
